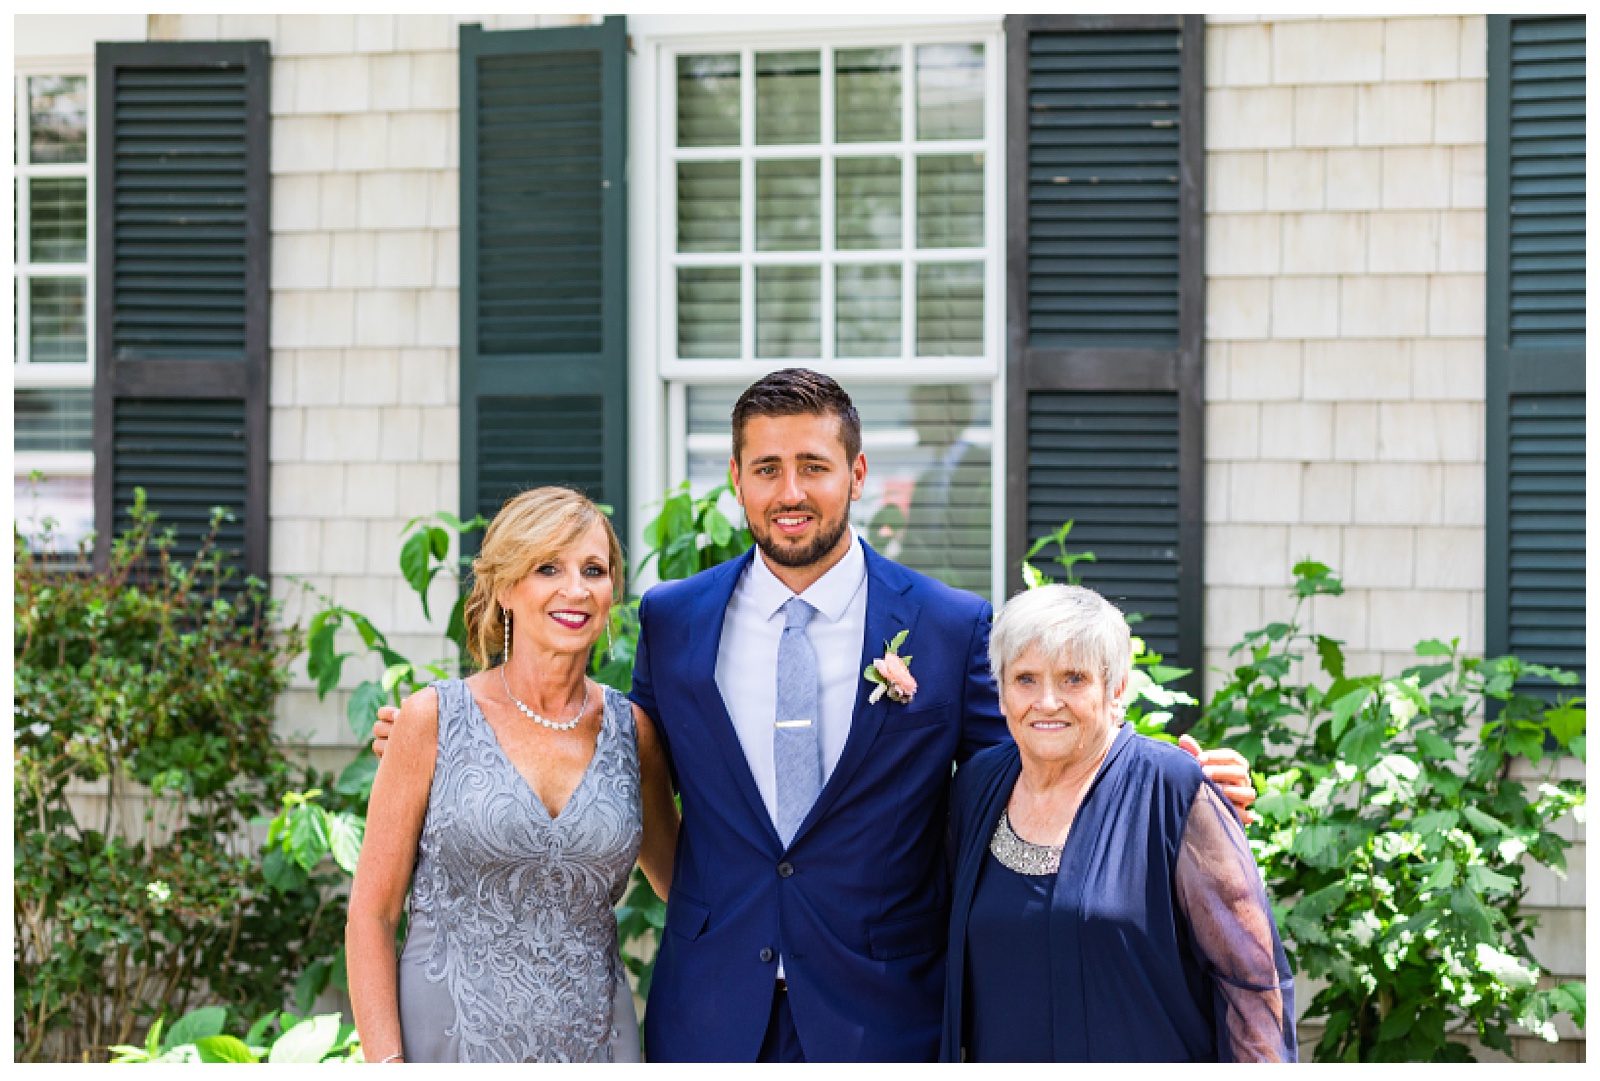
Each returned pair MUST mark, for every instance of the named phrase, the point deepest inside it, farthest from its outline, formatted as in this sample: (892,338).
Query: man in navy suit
(820,940)
(807,914)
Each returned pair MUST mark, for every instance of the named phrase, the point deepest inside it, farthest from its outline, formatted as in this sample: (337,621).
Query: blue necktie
(796,738)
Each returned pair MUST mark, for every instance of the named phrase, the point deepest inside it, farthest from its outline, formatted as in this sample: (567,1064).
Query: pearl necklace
(531,715)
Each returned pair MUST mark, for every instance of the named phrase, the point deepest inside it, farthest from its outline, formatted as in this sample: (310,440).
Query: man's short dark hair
(795,392)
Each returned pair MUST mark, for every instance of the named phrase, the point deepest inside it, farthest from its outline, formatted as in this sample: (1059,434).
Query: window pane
(867,198)
(950,310)
(788,311)
(866,95)
(708,206)
(58,220)
(788,98)
(708,312)
(54,513)
(950,91)
(57,333)
(950,201)
(708,100)
(867,311)
(927,497)
(58,119)
(789,205)
(54,419)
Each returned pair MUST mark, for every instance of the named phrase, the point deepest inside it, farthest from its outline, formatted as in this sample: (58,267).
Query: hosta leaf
(196,1026)
(308,1041)
(224,1049)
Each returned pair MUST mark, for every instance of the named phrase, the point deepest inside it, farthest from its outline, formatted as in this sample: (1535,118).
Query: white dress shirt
(747,659)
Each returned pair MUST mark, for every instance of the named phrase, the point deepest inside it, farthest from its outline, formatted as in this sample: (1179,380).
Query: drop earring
(505,622)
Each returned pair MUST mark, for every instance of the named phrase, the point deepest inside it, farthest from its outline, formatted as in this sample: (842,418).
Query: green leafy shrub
(1393,834)
(151,688)
(279,1038)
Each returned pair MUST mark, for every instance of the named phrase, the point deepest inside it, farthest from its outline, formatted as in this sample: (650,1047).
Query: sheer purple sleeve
(1232,932)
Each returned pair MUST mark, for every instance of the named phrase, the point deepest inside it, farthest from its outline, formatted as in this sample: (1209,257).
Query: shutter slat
(189,456)
(1103,115)
(1546,550)
(1109,463)
(1547,213)
(181,132)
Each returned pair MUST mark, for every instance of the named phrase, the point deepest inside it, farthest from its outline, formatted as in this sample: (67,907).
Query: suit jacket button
(785,869)
(766,954)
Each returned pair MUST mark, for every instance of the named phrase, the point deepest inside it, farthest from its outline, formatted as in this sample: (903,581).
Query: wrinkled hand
(387,715)
(1228,771)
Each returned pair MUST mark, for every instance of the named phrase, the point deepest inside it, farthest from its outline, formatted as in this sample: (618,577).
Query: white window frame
(659,380)
(24,373)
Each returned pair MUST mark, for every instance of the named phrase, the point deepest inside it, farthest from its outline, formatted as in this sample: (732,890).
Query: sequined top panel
(1023,857)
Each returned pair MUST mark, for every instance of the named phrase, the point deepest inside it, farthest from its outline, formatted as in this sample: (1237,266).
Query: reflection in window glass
(950,310)
(788,98)
(789,205)
(53,420)
(867,311)
(927,497)
(708,312)
(58,119)
(950,201)
(867,203)
(866,95)
(788,311)
(54,514)
(950,91)
(57,332)
(708,206)
(708,100)
(58,210)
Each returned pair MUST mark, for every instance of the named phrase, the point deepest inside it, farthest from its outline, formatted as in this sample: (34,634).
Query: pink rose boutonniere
(892,673)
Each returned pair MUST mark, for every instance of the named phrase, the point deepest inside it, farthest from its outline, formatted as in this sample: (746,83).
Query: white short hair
(1077,626)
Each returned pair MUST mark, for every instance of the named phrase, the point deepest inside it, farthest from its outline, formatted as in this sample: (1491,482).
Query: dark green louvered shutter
(181,272)
(1535,346)
(543,264)
(1106,302)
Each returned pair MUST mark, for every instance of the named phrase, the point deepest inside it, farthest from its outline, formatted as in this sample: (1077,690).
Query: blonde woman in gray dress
(507,815)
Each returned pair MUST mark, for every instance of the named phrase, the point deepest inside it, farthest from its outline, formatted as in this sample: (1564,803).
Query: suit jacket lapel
(889,611)
(704,633)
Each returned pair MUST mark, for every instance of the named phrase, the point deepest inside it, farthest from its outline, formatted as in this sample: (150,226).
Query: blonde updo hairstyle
(530,529)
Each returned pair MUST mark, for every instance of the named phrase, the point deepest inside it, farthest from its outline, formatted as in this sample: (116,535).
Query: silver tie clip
(792,724)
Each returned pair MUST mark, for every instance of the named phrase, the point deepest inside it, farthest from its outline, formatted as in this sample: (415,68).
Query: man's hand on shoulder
(387,715)
(1228,771)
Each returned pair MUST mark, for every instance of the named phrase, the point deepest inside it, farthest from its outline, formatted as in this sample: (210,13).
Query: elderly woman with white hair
(1105,906)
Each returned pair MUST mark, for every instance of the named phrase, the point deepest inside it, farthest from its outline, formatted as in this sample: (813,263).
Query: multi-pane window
(53,369)
(834,207)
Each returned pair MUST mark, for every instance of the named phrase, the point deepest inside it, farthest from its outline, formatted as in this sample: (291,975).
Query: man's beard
(823,543)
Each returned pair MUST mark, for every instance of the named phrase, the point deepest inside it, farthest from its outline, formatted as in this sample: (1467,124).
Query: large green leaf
(362,712)
(224,1049)
(196,1026)
(345,833)
(356,778)
(308,835)
(281,872)
(1346,708)
(308,1041)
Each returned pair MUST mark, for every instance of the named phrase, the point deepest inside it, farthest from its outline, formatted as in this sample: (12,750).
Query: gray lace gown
(511,951)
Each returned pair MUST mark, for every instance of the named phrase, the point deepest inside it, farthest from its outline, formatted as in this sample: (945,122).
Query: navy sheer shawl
(1162,943)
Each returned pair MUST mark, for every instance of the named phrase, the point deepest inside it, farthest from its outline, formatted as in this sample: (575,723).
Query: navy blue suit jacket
(858,904)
